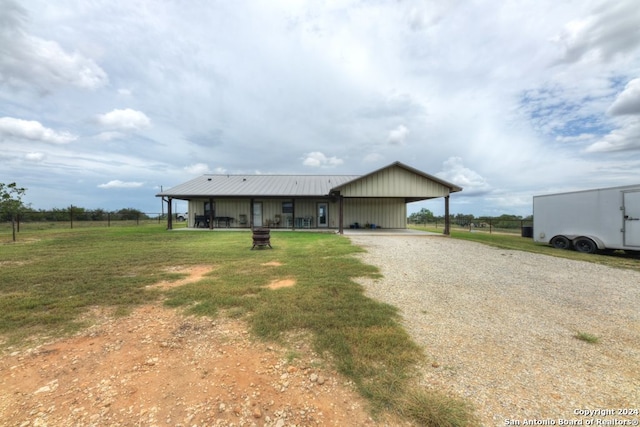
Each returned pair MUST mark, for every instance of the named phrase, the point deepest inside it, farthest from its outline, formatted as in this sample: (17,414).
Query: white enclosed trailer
(606,218)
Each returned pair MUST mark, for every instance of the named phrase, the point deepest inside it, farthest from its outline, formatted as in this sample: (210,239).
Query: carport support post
(341,220)
(293,214)
(169,215)
(251,214)
(446,216)
(211,213)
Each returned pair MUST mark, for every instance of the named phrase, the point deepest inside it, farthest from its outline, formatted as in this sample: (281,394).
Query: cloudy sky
(102,102)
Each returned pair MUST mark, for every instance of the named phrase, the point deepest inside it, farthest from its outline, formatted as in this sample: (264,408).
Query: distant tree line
(76,213)
(425,216)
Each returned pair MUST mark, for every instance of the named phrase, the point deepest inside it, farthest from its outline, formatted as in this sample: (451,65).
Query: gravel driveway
(499,326)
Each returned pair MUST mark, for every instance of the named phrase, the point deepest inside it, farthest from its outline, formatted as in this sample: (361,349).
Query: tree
(11,202)
(422,217)
(130,214)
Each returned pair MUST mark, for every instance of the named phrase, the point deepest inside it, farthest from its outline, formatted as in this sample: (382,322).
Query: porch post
(341,220)
(169,215)
(446,216)
(211,213)
(293,214)
(251,213)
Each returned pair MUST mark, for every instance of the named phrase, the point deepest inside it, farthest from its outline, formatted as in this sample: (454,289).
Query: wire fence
(523,227)
(78,217)
(70,218)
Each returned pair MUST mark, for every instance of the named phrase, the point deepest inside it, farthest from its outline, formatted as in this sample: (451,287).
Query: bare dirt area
(157,366)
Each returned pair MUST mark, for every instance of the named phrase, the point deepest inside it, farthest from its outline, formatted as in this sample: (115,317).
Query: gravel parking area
(499,327)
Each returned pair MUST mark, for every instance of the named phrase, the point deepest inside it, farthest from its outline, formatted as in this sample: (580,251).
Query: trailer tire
(585,245)
(560,242)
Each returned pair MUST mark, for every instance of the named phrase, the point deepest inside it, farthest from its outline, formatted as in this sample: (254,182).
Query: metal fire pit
(261,238)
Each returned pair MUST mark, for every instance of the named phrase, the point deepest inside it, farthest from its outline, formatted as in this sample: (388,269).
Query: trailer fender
(596,240)
(587,244)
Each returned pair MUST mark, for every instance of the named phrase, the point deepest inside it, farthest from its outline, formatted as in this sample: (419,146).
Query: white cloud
(28,61)
(577,138)
(398,135)
(372,158)
(611,29)
(627,137)
(34,157)
(124,120)
(318,159)
(33,130)
(628,101)
(116,183)
(197,169)
(111,135)
(454,171)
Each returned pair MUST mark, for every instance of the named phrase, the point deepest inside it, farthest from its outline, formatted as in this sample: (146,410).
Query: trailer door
(631,200)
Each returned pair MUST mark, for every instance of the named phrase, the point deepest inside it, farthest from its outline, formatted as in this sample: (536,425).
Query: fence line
(79,217)
(83,218)
(490,225)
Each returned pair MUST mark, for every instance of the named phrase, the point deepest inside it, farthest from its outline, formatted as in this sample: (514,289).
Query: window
(287,207)
(207,209)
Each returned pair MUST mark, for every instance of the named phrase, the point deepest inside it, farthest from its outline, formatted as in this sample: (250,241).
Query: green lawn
(50,277)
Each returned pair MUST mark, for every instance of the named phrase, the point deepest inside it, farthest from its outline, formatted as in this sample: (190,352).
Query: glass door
(323,215)
(257,214)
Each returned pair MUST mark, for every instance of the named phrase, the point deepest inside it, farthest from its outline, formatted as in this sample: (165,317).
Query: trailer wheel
(585,245)
(560,242)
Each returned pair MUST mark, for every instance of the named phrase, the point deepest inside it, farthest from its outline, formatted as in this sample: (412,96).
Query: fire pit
(261,238)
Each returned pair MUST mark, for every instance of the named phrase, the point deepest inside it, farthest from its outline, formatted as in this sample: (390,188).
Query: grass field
(51,277)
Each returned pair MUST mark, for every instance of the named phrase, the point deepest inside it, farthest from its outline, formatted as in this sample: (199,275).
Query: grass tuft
(586,337)
(433,409)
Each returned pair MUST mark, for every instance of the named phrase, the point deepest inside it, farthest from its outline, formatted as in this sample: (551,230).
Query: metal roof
(258,185)
(277,185)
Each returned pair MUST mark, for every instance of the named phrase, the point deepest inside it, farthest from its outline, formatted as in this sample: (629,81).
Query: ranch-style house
(375,200)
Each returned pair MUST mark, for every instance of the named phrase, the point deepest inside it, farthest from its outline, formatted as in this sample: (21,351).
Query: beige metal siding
(270,208)
(386,213)
(394,182)
(224,207)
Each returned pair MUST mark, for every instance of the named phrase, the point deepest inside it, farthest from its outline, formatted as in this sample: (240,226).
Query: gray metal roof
(278,185)
(258,185)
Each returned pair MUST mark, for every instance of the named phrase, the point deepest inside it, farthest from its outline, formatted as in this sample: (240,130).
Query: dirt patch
(284,283)
(272,264)
(195,273)
(159,367)
(12,263)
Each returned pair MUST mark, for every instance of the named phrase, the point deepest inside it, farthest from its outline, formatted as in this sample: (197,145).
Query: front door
(631,200)
(257,214)
(323,215)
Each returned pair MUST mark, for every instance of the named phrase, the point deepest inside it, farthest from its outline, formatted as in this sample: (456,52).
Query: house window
(287,207)
(207,209)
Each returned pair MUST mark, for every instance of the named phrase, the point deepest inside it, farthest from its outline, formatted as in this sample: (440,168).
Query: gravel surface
(499,327)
